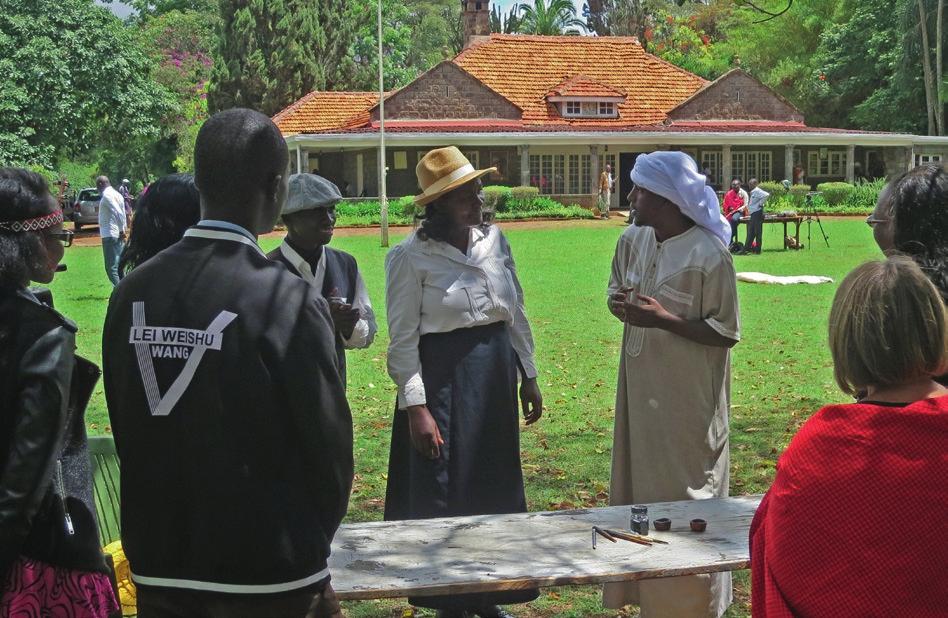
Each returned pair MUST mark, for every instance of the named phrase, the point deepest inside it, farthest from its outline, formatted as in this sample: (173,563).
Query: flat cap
(309,191)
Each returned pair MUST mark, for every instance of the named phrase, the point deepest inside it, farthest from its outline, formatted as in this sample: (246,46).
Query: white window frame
(927,157)
(474,156)
(713,159)
(833,165)
(749,164)
(589,108)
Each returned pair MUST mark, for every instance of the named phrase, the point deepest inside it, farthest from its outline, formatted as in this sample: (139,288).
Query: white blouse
(431,287)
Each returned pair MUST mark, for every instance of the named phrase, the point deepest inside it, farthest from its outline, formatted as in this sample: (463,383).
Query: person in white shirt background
(755,229)
(112,226)
(459,338)
(310,218)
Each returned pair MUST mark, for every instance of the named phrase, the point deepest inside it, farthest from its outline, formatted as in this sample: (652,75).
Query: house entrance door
(626,162)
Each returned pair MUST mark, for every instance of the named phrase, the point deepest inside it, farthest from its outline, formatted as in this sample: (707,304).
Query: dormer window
(582,97)
(579,108)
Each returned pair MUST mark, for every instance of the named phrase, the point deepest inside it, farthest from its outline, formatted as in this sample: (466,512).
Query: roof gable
(524,68)
(736,95)
(446,91)
(580,86)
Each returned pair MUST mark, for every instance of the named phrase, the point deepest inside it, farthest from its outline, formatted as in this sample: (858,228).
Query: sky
(117,7)
(506,4)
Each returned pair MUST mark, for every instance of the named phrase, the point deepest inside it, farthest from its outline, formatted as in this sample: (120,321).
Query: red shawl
(856,522)
(732,202)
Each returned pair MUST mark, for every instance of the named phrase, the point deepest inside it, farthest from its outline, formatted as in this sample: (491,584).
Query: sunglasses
(64,236)
(871,221)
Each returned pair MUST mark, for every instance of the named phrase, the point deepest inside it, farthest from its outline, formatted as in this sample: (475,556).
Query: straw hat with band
(443,170)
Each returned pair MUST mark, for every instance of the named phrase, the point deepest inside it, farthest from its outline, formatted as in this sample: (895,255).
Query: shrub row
(507,203)
(833,198)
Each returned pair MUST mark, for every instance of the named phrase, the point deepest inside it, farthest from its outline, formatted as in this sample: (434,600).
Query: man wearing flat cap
(310,218)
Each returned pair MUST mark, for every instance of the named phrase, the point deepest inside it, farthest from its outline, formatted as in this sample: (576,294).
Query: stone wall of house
(736,96)
(447,91)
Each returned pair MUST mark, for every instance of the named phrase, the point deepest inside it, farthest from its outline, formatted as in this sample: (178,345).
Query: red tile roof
(524,68)
(582,86)
(325,111)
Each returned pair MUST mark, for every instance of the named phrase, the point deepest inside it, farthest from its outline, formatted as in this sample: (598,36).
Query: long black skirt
(470,378)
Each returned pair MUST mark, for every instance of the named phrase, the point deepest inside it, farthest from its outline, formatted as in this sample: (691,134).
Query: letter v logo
(161,405)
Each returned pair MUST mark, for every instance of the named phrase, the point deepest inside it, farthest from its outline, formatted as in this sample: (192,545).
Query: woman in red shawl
(854,524)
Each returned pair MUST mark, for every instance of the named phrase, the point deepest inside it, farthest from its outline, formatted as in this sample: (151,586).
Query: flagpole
(383,198)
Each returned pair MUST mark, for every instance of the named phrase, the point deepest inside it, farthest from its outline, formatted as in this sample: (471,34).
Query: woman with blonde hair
(852,523)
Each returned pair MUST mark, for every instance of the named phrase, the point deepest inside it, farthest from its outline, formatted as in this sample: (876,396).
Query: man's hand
(616,304)
(344,316)
(425,435)
(648,314)
(531,400)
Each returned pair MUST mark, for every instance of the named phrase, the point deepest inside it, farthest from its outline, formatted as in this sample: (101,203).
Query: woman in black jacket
(50,558)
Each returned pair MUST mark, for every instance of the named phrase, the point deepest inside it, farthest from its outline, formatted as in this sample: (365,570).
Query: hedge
(496,198)
(401,211)
(835,193)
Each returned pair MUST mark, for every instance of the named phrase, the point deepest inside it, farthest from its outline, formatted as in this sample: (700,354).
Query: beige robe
(671,429)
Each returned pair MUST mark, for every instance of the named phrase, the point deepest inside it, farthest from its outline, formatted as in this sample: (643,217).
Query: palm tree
(504,24)
(549,17)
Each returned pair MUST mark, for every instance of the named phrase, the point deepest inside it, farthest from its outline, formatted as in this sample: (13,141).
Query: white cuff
(413,393)
(360,334)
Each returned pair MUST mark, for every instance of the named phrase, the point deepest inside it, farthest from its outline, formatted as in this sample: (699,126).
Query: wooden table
(506,552)
(795,219)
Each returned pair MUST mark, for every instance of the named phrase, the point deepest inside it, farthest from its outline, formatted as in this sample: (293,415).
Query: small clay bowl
(662,524)
(698,525)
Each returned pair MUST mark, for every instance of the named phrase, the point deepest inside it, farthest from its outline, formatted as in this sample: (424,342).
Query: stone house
(552,111)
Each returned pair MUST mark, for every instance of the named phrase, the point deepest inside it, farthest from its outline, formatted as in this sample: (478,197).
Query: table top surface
(506,552)
(777,218)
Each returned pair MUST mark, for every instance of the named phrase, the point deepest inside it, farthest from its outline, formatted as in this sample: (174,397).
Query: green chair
(106,484)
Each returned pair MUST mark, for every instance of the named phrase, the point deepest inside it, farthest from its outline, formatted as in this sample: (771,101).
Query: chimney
(476,17)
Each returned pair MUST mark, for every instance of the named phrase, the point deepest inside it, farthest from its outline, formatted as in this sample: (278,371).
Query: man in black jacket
(226,403)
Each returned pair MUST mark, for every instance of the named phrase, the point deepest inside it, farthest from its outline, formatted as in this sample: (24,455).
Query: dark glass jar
(638,521)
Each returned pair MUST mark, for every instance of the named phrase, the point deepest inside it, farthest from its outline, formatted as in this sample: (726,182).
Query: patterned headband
(33,225)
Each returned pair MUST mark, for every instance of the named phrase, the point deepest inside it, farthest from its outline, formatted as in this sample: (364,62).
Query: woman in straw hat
(459,338)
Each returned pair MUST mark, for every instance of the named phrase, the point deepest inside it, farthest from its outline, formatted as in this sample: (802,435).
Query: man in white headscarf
(673,285)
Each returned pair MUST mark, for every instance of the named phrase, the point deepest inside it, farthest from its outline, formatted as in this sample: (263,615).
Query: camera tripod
(809,216)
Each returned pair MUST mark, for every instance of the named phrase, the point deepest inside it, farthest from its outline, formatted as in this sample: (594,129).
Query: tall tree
(415,36)
(508,23)
(272,52)
(550,17)
(934,127)
(72,78)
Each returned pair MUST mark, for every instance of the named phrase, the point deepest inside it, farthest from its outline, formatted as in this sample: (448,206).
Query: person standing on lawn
(310,218)
(226,404)
(673,286)
(755,228)
(605,191)
(112,226)
(459,338)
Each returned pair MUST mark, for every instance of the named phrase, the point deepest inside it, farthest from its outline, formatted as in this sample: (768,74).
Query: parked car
(85,210)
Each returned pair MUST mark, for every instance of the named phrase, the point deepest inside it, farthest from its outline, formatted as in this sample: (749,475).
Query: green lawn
(781,371)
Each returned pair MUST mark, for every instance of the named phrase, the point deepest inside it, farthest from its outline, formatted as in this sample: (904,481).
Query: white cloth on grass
(750,277)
